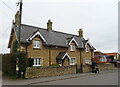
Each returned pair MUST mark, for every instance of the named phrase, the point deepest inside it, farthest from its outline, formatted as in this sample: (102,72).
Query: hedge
(9,64)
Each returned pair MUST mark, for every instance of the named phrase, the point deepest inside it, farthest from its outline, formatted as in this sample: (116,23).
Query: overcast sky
(97,18)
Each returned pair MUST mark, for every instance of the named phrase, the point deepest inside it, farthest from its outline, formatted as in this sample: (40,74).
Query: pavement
(6,81)
(0,78)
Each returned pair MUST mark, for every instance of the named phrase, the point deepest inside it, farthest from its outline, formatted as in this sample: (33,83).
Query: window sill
(37,48)
(72,50)
(72,64)
(36,65)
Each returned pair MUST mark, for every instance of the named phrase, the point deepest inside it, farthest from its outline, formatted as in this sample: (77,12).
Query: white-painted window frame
(36,43)
(37,62)
(87,60)
(87,49)
(73,62)
(72,47)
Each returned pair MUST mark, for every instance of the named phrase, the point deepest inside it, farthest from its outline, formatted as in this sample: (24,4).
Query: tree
(15,46)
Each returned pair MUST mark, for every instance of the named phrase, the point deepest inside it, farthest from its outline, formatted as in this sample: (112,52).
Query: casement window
(36,44)
(72,48)
(37,62)
(72,61)
(87,61)
(87,49)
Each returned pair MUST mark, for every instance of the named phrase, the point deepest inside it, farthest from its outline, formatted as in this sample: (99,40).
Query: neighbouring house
(47,46)
(100,57)
(112,56)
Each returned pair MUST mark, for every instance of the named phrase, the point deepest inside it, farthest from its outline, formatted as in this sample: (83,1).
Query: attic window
(36,44)
(72,47)
(87,49)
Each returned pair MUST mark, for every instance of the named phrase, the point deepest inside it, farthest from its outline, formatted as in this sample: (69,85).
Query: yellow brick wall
(43,52)
(89,54)
(74,54)
(54,53)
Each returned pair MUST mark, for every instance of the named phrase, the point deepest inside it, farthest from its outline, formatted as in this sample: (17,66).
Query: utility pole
(20,11)
(19,33)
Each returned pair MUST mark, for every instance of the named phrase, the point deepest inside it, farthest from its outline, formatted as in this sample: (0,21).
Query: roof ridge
(52,30)
(66,33)
(34,26)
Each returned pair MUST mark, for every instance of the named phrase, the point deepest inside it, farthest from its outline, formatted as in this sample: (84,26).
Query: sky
(97,18)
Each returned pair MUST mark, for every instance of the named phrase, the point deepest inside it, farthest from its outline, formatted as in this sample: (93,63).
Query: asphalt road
(107,77)
(104,78)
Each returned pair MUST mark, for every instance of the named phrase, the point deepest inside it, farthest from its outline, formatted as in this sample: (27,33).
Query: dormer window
(72,47)
(36,44)
(87,49)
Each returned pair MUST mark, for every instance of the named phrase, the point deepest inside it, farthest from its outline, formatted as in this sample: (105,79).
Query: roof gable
(62,55)
(35,34)
(87,42)
(73,40)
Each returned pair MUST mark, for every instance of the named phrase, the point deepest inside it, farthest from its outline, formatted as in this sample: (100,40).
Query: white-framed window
(36,44)
(66,42)
(87,49)
(87,60)
(72,61)
(37,62)
(72,47)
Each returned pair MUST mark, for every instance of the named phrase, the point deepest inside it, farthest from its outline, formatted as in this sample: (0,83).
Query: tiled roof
(110,54)
(54,38)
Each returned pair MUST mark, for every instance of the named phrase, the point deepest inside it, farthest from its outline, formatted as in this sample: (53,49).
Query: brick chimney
(17,18)
(80,32)
(49,26)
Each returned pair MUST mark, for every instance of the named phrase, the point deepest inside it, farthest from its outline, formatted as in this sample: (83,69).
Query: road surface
(106,78)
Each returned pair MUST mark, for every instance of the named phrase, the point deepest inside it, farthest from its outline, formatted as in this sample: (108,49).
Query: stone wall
(88,68)
(106,66)
(33,72)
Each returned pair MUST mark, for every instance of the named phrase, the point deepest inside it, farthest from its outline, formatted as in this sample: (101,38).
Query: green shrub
(9,63)
(54,65)
(30,62)
(14,46)
(22,61)
(77,70)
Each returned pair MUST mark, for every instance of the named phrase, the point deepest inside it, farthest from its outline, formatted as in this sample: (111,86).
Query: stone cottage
(47,46)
